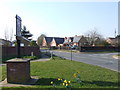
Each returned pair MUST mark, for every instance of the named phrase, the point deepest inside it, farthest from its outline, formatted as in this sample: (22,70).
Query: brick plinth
(18,71)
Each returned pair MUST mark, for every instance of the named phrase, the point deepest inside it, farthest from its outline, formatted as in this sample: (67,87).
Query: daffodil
(74,75)
(51,82)
(66,84)
(59,79)
(68,81)
(65,81)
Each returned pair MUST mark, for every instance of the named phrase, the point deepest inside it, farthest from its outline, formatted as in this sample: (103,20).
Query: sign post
(18,34)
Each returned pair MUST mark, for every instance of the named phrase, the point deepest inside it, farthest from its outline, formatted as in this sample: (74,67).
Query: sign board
(18,25)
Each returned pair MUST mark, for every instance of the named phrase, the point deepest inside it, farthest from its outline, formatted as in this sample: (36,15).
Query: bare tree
(93,37)
(11,35)
(8,34)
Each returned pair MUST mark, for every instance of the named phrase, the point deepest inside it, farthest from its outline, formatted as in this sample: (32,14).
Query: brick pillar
(18,71)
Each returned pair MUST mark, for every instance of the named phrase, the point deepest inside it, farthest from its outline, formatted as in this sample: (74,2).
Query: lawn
(118,55)
(91,76)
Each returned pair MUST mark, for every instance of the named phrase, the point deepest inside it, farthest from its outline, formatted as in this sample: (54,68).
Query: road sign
(18,26)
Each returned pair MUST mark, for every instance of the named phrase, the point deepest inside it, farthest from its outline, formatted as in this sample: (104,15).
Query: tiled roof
(48,39)
(59,40)
(77,38)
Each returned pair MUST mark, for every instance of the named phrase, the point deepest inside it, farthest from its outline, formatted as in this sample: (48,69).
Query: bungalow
(57,41)
(67,41)
(47,41)
(79,41)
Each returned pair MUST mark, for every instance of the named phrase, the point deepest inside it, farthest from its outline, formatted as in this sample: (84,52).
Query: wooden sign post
(18,34)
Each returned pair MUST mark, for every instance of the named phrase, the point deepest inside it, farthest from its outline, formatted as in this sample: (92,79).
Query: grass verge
(91,76)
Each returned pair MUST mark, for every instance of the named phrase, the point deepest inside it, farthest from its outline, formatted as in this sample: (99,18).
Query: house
(79,41)
(113,41)
(5,42)
(47,41)
(57,41)
(67,41)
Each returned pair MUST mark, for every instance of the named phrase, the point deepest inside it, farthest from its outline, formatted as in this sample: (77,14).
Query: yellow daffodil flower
(59,79)
(68,81)
(74,75)
(66,84)
(51,82)
(65,81)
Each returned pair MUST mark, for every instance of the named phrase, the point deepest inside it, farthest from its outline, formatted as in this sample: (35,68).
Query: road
(102,59)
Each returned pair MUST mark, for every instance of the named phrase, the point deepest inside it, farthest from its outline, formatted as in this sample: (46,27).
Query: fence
(98,48)
(8,52)
(89,48)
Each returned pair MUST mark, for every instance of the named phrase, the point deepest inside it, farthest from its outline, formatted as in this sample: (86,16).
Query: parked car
(74,47)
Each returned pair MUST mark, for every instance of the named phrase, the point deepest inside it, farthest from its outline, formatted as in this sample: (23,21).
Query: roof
(59,40)
(68,40)
(77,38)
(48,39)
(111,38)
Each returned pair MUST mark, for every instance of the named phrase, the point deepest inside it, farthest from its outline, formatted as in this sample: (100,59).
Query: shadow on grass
(101,83)
(47,81)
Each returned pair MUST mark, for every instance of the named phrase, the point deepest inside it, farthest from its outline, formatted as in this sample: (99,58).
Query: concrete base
(31,82)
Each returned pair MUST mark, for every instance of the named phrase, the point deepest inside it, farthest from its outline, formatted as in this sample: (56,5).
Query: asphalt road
(102,59)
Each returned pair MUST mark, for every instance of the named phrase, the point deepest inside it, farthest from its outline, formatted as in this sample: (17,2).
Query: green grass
(31,57)
(118,55)
(91,76)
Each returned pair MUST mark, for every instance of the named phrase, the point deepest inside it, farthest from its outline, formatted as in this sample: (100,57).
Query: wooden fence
(8,52)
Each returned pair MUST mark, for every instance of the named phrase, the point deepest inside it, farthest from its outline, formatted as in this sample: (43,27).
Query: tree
(33,43)
(93,37)
(25,33)
(8,34)
(40,39)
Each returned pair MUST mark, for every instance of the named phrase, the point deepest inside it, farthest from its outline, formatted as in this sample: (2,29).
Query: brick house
(113,41)
(67,41)
(56,41)
(79,41)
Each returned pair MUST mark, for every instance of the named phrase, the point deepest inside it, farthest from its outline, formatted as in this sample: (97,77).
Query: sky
(59,19)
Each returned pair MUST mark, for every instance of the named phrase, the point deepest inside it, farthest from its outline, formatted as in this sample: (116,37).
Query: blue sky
(62,18)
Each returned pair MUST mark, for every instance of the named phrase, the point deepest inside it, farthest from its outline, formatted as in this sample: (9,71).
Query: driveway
(102,59)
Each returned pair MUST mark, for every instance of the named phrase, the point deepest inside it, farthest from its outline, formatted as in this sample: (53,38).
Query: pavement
(104,60)
(32,81)
(43,58)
